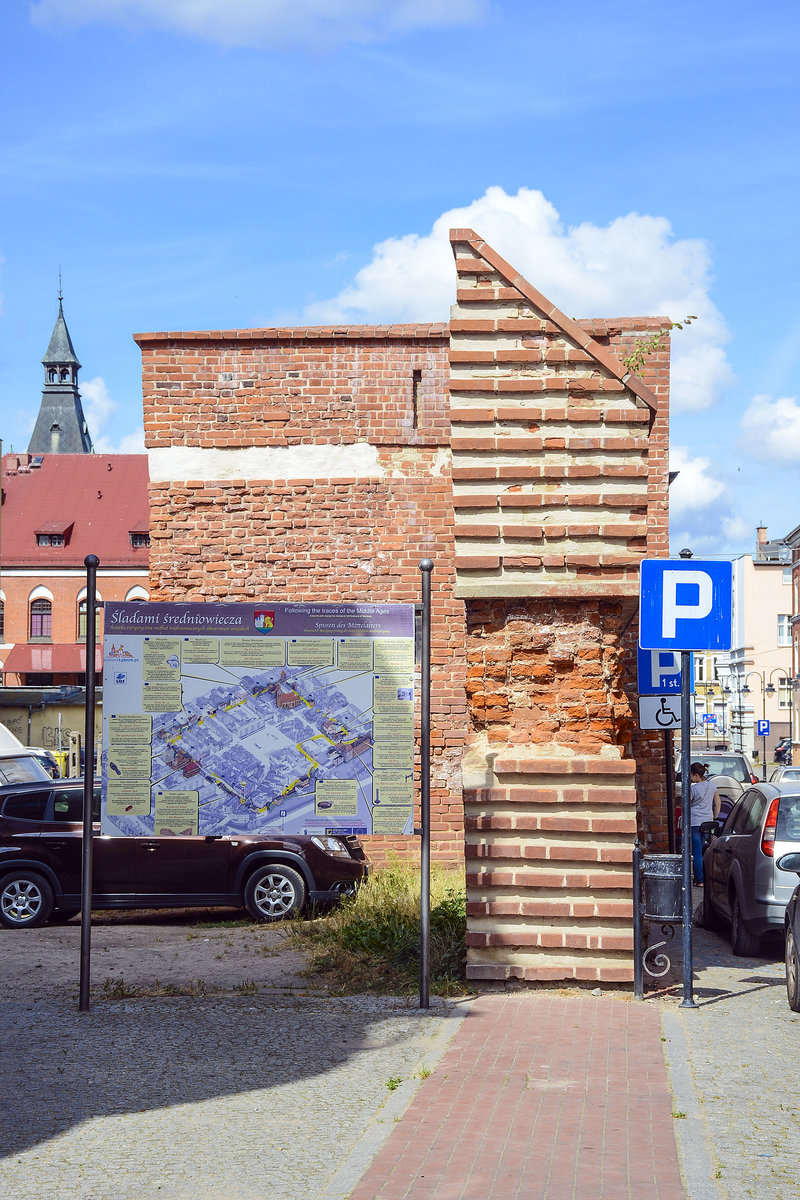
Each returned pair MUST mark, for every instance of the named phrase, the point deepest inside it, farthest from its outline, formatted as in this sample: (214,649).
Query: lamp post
(767,689)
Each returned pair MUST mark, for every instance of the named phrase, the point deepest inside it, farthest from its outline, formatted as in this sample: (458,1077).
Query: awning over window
(50,657)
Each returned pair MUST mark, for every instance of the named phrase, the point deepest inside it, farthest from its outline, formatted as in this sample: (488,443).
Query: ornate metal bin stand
(662,877)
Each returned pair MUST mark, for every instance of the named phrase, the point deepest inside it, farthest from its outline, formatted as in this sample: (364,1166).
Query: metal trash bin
(663,887)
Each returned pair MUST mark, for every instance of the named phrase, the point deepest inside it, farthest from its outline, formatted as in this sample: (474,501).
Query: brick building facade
(512,447)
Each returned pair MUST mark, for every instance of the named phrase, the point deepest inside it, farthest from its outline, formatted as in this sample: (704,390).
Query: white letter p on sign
(671,611)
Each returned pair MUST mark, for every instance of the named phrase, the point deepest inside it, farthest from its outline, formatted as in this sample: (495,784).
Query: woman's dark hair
(697,769)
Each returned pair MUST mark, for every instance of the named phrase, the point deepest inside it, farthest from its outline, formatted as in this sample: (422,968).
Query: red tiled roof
(103,496)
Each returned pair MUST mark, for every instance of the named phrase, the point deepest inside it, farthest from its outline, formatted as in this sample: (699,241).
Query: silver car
(785,775)
(743,884)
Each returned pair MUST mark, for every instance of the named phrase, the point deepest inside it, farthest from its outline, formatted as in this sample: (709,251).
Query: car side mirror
(789,862)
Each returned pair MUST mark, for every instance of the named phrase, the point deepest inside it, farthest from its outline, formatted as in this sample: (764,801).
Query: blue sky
(193,164)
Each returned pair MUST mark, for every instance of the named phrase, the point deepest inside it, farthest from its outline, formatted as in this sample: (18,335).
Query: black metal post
(669,755)
(91,562)
(426,567)
(638,937)
(686,826)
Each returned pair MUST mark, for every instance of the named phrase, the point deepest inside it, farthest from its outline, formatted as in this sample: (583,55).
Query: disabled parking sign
(686,604)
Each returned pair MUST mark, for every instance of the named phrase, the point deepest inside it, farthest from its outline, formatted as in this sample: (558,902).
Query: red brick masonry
(538,1098)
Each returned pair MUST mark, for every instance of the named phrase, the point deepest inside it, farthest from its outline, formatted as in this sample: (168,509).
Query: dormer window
(139,539)
(54,533)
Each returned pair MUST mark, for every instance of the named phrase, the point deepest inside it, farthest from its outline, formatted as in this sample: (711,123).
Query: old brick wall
(515,448)
(559,490)
(307,465)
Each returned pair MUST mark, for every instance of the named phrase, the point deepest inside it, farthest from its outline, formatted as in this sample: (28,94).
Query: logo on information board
(121,677)
(119,653)
(264,619)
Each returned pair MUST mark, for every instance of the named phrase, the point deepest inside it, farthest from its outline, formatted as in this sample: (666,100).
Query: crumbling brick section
(548,844)
(545,672)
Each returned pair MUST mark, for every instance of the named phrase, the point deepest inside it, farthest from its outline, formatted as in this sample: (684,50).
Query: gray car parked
(743,883)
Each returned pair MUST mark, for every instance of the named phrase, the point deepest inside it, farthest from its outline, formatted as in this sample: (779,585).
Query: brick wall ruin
(513,448)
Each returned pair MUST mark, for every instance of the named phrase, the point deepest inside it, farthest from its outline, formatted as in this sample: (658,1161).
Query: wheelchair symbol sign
(660,712)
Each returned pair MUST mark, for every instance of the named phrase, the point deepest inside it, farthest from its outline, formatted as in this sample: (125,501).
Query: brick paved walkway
(538,1098)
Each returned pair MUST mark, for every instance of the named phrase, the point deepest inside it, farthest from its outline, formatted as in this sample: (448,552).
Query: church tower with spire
(61,426)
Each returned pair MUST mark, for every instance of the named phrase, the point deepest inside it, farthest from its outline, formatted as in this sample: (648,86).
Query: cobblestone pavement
(743,1047)
(250,1087)
(211,1098)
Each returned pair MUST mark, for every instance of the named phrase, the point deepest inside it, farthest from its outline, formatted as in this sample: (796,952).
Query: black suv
(41,837)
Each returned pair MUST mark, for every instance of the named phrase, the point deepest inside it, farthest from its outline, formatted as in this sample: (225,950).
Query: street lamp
(767,689)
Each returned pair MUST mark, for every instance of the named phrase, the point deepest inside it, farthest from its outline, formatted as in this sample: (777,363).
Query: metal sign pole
(91,562)
(686,827)
(426,567)
(670,762)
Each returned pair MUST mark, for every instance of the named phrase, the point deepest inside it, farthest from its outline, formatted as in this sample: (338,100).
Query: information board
(243,718)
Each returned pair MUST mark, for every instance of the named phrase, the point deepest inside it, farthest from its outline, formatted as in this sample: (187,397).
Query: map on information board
(247,718)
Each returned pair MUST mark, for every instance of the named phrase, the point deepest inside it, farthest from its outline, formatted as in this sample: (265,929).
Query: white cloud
(97,403)
(695,488)
(631,267)
(317,23)
(703,509)
(99,408)
(772,429)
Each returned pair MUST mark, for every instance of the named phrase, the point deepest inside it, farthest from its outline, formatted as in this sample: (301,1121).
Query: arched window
(82,615)
(136,593)
(82,621)
(64,374)
(41,627)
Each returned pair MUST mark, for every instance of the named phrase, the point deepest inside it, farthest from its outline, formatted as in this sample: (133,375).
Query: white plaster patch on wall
(442,461)
(439,465)
(177,463)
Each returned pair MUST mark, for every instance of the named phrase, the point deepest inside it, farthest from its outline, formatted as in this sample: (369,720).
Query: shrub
(371,942)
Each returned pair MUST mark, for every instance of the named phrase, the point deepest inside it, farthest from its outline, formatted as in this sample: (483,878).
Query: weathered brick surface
(548,855)
(337,537)
(514,358)
(285,387)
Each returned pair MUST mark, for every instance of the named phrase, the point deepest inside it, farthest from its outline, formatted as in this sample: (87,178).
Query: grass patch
(370,943)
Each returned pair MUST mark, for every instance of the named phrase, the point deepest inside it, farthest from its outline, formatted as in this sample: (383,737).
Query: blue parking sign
(686,604)
(659,672)
(763,729)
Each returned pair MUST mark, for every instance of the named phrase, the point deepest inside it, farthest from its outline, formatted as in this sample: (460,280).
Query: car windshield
(727,764)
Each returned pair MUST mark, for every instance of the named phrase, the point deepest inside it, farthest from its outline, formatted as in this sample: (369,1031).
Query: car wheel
(743,943)
(26,900)
(274,893)
(792,971)
(710,916)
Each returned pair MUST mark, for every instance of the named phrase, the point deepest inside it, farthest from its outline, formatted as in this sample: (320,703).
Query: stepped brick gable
(514,448)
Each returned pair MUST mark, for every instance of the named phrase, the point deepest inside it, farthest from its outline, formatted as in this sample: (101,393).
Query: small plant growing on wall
(638,357)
